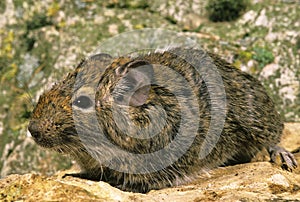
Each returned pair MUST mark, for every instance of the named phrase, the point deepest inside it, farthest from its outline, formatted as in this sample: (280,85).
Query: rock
(269,70)
(192,21)
(262,20)
(256,181)
(177,11)
(8,16)
(248,182)
(248,17)
(291,137)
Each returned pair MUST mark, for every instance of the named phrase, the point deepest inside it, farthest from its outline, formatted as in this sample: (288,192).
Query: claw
(283,158)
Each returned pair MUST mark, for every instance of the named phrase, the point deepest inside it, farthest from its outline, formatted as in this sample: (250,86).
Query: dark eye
(83,102)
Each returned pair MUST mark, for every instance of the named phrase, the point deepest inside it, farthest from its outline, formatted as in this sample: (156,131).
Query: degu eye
(83,102)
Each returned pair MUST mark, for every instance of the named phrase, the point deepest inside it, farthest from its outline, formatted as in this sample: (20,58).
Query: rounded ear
(101,57)
(101,61)
(98,62)
(89,71)
(135,83)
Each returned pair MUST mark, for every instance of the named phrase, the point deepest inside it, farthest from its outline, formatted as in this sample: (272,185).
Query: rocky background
(42,40)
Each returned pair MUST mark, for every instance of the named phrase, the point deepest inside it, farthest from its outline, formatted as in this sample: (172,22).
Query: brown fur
(251,123)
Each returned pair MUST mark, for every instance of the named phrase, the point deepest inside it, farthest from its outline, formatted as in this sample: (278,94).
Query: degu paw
(283,158)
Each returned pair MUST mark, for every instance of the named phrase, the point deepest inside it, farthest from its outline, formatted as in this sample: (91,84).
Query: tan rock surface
(291,136)
(257,181)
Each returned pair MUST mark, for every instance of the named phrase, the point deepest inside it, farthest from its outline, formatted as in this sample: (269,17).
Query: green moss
(2,6)
(53,9)
(298,43)
(263,56)
(245,56)
(19,3)
(129,4)
(199,28)
(9,73)
(171,20)
(121,28)
(237,64)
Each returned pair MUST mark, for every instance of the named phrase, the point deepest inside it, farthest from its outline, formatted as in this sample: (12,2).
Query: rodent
(107,84)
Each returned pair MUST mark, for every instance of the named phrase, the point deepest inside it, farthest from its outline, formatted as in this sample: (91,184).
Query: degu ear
(98,61)
(134,86)
(101,61)
(101,57)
